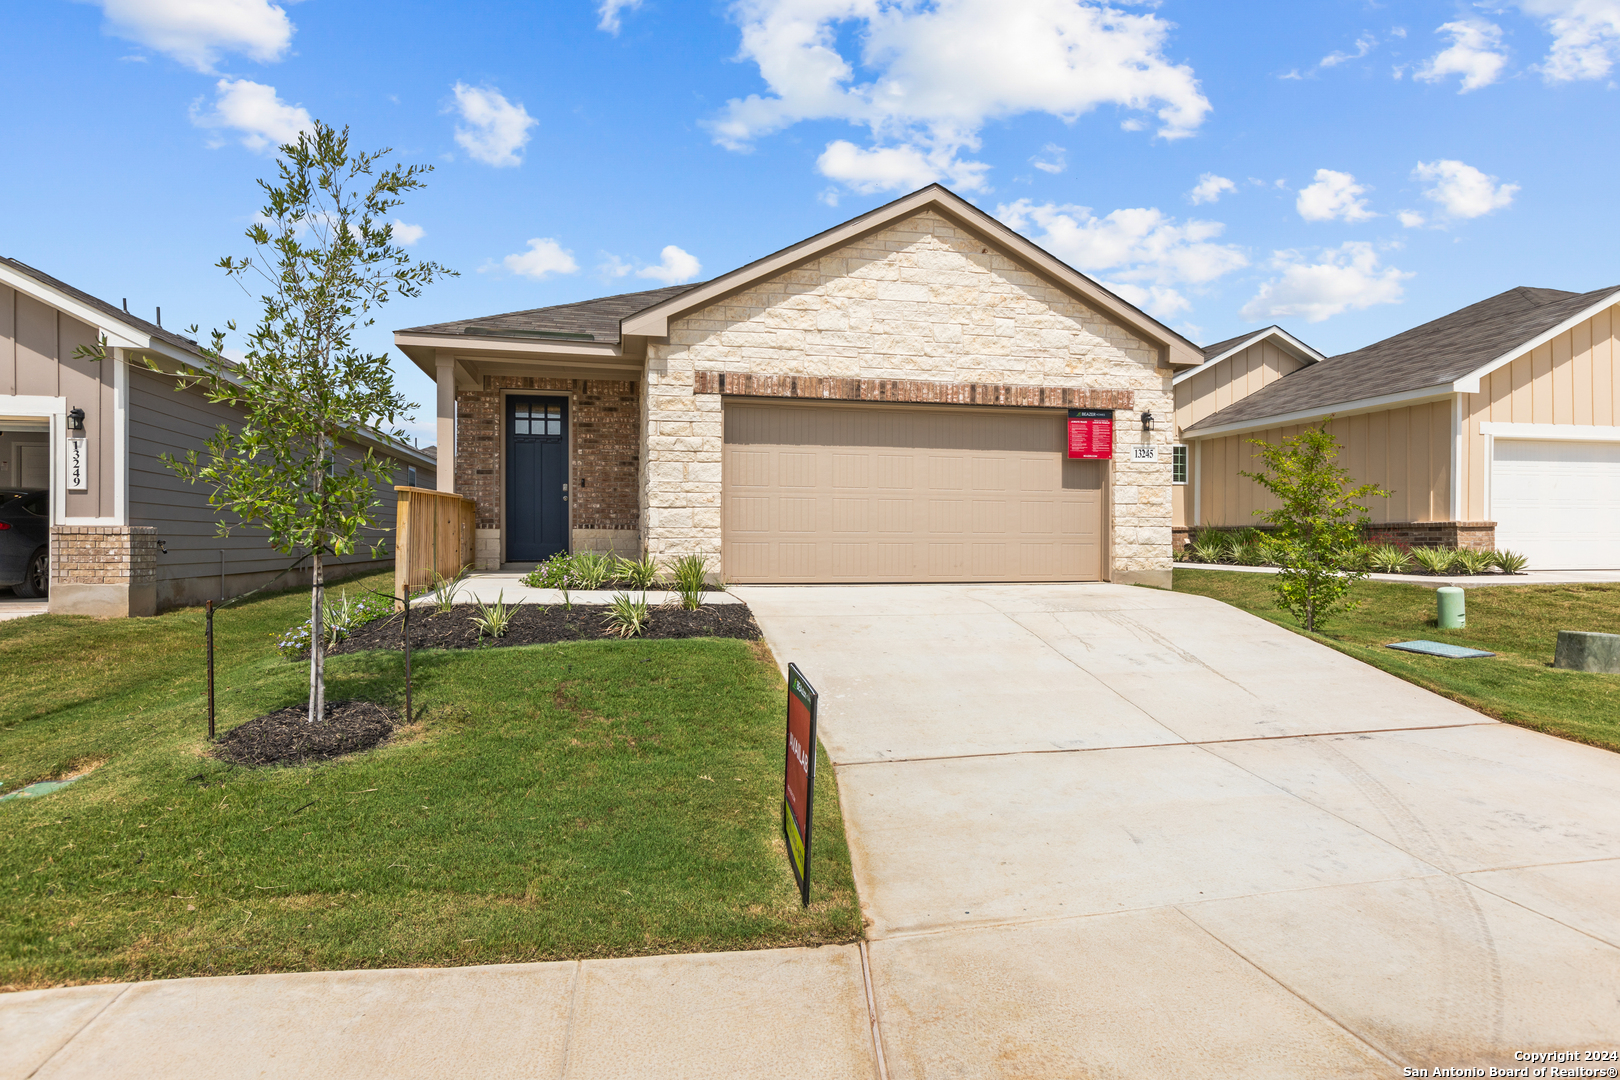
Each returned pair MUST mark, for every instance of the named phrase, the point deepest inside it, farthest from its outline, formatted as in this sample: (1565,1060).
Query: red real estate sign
(798,802)
(1091,433)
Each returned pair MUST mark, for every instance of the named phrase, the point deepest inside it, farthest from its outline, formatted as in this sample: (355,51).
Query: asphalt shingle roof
(583,320)
(1437,352)
(1212,351)
(179,341)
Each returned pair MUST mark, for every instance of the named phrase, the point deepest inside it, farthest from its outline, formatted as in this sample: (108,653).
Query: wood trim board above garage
(907,391)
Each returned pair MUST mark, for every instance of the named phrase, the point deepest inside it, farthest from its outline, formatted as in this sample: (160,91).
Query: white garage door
(883,493)
(1558,502)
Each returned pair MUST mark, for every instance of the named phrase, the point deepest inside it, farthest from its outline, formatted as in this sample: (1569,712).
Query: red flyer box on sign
(799,781)
(1091,434)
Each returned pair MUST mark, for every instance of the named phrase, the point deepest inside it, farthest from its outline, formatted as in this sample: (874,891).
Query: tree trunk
(317,644)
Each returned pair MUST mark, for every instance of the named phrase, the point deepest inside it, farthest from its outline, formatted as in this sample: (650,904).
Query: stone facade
(604,460)
(921,304)
(105,570)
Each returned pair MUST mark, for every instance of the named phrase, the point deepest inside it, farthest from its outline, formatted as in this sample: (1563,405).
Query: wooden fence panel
(436,531)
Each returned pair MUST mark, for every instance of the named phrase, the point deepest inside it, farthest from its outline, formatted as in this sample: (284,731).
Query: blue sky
(1347,169)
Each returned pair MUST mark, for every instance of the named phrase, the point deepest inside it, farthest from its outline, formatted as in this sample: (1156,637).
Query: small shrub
(445,590)
(1433,560)
(493,619)
(339,619)
(688,574)
(1473,562)
(627,617)
(1509,562)
(641,573)
(1207,550)
(1388,559)
(593,568)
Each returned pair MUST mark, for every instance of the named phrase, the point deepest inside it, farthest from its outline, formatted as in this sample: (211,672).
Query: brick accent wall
(907,391)
(103,554)
(1475,535)
(604,462)
(920,305)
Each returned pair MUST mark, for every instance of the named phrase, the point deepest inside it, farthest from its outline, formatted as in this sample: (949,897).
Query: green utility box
(1453,614)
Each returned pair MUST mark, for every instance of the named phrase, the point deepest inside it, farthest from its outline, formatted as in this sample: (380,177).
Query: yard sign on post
(799,800)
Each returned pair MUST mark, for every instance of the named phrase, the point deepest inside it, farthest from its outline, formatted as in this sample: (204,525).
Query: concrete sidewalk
(755,1014)
(492,585)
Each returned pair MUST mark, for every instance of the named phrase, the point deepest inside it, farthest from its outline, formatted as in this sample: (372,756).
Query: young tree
(325,256)
(1318,520)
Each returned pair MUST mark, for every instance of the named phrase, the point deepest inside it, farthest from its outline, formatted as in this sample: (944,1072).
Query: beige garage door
(906,493)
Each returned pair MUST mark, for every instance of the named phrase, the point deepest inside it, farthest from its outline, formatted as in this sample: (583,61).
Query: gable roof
(1428,358)
(582,320)
(1222,350)
(132,332)
(1174,349)
(99,313)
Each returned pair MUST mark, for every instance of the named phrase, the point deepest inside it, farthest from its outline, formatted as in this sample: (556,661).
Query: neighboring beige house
(886,401)
(127,536)
(1494,426)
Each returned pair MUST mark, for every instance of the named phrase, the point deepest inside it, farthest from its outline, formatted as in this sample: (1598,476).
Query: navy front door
(536,478)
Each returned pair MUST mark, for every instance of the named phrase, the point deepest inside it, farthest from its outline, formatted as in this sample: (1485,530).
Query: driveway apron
(1103,831)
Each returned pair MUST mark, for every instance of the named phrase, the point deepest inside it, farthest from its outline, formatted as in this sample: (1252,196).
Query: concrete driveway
(1107,831)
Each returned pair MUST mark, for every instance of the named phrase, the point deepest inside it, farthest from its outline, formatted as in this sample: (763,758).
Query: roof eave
(119,333)
(1470,383)
(1285,341)
(1175,350)
(1416,396)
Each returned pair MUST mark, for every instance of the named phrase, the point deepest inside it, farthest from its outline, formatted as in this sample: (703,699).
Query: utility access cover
(1439,648)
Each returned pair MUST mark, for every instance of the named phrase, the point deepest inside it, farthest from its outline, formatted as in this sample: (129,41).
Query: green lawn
(577,800)
(1518,623)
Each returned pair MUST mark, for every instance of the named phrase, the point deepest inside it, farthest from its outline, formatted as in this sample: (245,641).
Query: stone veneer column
(108,571)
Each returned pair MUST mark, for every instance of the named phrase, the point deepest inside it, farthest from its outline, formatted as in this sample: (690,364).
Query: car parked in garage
(25,541)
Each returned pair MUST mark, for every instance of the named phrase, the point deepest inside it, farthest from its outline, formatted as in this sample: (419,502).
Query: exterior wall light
(1147,421)
(75,419)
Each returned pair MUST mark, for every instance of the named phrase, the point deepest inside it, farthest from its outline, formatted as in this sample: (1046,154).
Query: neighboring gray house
(127,536)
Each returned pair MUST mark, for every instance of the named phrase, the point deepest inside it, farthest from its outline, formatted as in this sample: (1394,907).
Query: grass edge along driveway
(1519,623)
(582,799)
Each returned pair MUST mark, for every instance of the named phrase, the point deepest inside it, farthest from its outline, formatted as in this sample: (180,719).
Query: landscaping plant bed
(534,624)
(286,737)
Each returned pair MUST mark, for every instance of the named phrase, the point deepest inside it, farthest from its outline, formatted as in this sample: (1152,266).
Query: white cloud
(1052,159)
(1346,278)
(1586,37)
(1411,219)
(197,32)
(496,130)
(1142,254)
(263,120)
(609,11)
(407,234)
(924,79)
(677,266)
(544,257)
(1462,190)
(1364,45)
(613,267)
(897,168)
(1334,196)
(1209,188)
(1475,53)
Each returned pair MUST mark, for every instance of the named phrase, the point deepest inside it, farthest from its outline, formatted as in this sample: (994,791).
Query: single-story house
(888,401)
(1496,426)
(127,536)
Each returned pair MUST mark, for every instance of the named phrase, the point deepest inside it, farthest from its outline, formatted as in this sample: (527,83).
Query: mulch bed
(286,737)
(536,625)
